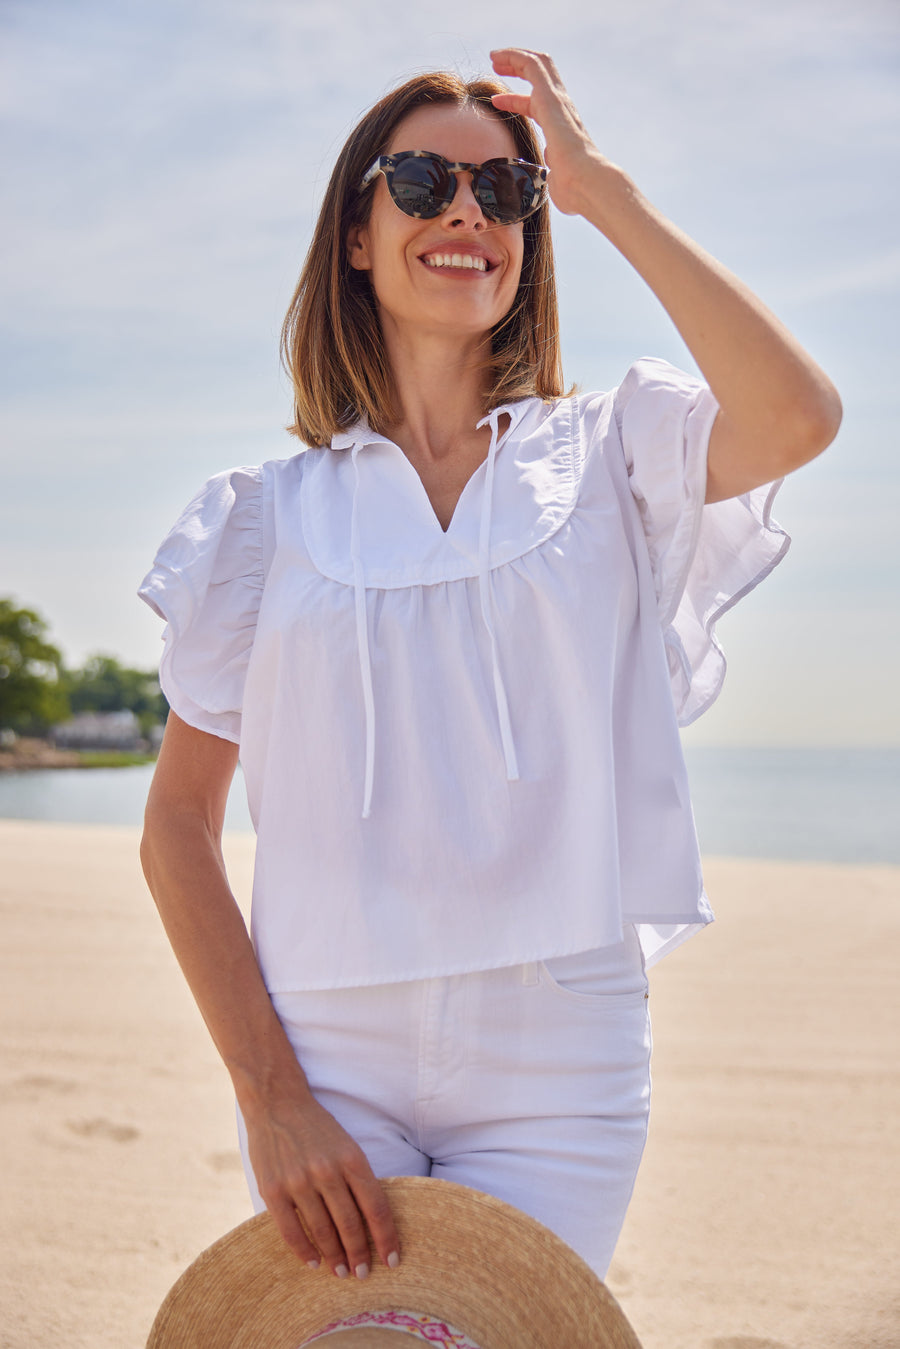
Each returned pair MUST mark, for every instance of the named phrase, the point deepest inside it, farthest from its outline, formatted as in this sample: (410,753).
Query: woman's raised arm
(303,1160)
(778,409)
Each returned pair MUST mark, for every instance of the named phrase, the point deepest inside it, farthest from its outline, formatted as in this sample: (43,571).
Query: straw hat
(497,1278)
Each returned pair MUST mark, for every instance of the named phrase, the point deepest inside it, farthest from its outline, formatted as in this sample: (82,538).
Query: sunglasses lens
(505,192)
(422,186)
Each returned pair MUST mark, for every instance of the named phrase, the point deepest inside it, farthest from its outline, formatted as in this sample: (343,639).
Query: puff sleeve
(703,558)
(206,583)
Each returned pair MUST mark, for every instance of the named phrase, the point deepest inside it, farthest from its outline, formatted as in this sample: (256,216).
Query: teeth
(456,260)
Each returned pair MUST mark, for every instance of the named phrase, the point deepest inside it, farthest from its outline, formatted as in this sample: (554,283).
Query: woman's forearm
(766,384)
(186,875)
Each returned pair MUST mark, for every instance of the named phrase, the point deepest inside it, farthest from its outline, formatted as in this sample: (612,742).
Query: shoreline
(29,754)
(770,1182)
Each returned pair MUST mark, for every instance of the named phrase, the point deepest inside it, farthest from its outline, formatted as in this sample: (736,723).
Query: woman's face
(413,294)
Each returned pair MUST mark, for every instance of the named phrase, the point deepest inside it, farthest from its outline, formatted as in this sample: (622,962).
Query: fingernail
(393,1260)
(362,1271)
(342,1271)
(313,1264)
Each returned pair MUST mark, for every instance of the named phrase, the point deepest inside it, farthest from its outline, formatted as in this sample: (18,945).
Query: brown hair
(331,342)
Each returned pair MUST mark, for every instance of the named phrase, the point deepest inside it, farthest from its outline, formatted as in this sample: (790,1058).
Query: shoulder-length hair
(331,343)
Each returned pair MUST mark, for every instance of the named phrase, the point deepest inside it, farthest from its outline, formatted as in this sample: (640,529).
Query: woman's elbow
(165,824)
(813,425)
(149,846)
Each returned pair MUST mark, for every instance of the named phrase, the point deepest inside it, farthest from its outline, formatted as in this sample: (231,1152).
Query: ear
(358,248)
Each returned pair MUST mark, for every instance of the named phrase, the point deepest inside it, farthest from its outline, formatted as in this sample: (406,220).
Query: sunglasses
(423,185)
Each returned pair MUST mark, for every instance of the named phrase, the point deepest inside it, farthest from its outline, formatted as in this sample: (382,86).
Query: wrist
(608,196)
(262,1085)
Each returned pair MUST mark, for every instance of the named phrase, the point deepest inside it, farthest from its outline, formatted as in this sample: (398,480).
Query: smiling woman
(334,339)
(453,639)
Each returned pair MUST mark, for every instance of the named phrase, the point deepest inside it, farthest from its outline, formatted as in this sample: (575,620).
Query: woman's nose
(464,210)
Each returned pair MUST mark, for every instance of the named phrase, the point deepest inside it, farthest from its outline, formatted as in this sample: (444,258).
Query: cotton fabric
(530,1083)
(461,749)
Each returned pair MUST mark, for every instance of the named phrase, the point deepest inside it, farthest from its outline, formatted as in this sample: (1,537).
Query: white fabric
(530,1083)
(525,794)
(207,583)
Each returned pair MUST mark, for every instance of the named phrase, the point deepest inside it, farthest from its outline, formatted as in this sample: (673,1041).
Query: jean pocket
(602,975)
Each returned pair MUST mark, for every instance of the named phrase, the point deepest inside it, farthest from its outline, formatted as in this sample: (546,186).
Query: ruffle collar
(535,487)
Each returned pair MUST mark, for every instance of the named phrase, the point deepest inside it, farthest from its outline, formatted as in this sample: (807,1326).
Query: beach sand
(767,1212)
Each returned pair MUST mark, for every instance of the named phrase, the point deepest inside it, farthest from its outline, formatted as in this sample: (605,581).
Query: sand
(767,1213)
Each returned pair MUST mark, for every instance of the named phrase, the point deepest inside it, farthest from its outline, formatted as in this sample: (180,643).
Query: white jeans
(531,1083)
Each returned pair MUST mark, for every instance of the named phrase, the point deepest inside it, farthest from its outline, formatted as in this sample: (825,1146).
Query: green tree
(32,693)
(105,685)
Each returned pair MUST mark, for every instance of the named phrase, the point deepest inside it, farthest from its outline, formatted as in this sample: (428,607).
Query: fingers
(523,64)
(548,100)
(518,103)
(373,1204)
(355,1200)
(323,1210)
(322,1225)
(291,1229)
(336,1227)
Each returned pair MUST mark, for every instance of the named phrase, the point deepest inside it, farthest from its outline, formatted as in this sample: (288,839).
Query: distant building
(99,730)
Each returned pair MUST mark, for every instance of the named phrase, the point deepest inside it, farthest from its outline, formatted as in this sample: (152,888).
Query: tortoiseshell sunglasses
(423,184)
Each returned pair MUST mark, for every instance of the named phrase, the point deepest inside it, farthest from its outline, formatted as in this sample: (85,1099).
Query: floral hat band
(423,1328)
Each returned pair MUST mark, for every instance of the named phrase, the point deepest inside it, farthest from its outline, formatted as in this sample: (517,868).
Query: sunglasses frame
(386,164)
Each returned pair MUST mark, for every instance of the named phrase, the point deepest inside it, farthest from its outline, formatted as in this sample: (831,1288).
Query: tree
(105,685)
(32,694)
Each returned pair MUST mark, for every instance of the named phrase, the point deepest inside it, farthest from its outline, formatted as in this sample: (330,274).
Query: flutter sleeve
(703,558)
(206,582)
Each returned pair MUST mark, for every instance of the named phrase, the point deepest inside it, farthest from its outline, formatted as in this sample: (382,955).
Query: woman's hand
(318,1185)
(568,149)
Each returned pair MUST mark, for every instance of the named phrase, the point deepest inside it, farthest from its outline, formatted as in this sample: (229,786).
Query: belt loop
(530,975)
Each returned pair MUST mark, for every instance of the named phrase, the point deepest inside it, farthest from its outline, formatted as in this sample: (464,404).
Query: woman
(453,640)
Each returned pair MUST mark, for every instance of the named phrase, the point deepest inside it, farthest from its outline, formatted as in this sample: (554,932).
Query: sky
(163,162)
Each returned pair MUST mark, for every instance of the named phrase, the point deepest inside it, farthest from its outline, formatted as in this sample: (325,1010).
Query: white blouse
(461,748)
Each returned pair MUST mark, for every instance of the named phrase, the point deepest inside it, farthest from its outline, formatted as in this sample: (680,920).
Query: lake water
(828,805)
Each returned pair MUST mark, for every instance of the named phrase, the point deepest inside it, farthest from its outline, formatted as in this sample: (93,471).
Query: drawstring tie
(362,637)
(486,596)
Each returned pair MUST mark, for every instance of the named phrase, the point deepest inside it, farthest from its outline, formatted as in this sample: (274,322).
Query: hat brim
(485,1267)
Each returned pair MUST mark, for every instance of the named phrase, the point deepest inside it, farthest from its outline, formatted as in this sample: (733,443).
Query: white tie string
(485,594)
(362,637)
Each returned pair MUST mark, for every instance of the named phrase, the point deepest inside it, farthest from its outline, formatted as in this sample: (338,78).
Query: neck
(440,387)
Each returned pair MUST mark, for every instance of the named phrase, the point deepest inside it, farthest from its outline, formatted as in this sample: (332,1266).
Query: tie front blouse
(461,747)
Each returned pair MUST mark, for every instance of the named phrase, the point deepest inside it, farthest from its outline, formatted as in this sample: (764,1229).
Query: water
(814,805)
(824,805)
(96,796)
